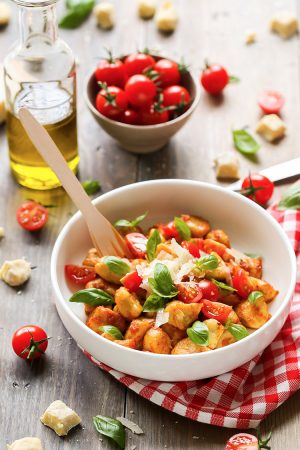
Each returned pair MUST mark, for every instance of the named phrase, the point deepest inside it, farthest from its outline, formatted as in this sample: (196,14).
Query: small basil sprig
(116,265)
(130,223)
(152,244)
(234,79)
(77,12)
(238,331)
(291,198)
(162,283)
(254,295)
(91,186)
(112,428)
(223,286)
(113,331)
(153,303)
(182,228)
(198,333)
(244,142)
(93,297)
(207,262)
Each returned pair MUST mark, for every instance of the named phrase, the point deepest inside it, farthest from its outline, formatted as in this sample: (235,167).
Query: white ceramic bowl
(251,229)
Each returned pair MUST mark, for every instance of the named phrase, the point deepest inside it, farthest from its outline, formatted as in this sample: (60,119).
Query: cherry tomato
(136,63)
(153,115)
(168,71)
(132,281)
(209,290)
(32,216)
(240,282)
(29,342)
(169,231)
(136,242)
(129,116)
(214,79)
(242,441)
(215,310)
(111,102)
(258,187)
(111,71)
(140,91)
(176,96)
(194,246)
(271,102)
(189,292)
(79,274)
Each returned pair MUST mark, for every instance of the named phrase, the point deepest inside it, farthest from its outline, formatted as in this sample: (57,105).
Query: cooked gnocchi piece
(157,341)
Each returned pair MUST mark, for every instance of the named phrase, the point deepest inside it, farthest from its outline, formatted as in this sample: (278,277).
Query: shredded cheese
(130,425)
(162,317)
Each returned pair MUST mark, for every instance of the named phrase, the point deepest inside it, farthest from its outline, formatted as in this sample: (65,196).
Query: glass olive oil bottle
(40,74)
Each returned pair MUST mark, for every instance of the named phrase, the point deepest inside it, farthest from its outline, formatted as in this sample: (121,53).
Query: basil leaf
(198,333)
(93,297)
(152,244)
(116,265)
(207,262)
(234,79)
(182,228)
(238,331)
(223,286)
(255,295)
(113,331)
(244,142)
(91,186)
(253,255)
(130,223)
(112,428)
(77,12)
(162,283)
(153,303)
(158,291)
(291,198)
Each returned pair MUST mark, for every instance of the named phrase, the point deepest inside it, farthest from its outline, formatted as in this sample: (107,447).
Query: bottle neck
(37,23)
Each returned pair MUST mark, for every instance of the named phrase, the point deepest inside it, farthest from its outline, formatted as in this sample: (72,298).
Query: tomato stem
(263,442)
(251,190)
(33,347)
(110,57)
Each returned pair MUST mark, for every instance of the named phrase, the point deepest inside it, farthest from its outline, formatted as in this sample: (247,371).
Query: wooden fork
(104,236)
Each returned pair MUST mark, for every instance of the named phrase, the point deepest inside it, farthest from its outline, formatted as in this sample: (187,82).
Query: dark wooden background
(207,29)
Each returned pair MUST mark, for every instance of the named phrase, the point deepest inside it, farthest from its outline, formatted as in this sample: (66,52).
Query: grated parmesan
(162,317)
(238,256)
(130,425)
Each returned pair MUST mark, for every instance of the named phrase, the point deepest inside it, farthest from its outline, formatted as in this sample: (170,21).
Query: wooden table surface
(207,29)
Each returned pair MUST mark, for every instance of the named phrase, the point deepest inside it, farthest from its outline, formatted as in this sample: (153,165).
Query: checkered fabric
(245,396)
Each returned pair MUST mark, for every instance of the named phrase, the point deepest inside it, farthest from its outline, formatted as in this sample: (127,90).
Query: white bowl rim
(187,113)
(200,184)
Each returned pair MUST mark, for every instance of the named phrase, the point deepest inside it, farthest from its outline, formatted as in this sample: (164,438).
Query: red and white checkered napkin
(245,396)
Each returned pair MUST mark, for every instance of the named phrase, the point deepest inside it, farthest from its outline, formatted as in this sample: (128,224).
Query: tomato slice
(242,441)
(194,246)
(215,310)
(132,281)
(189,292)
(271,102)
(32,216)
(169,231)
(209,290)
(79,274)
(241,284)
(136,242)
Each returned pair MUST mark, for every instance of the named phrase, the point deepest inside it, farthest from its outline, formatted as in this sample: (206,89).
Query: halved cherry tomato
(169,231)
(111,71)
(241,284)
(176,96)
(168,71)
(189,292)
(271,102)
(140,91)
(132,281)
(214,79)
(242,441)
(130,116)
(136,242)
(153,115)
(111,102)
(80,274)
(30,342)
(215,310)
(258,187)
(209,290)
(136,63)
(32,216)
(194,246)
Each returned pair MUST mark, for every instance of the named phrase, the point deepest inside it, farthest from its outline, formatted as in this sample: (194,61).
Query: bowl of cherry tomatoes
(141,99)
